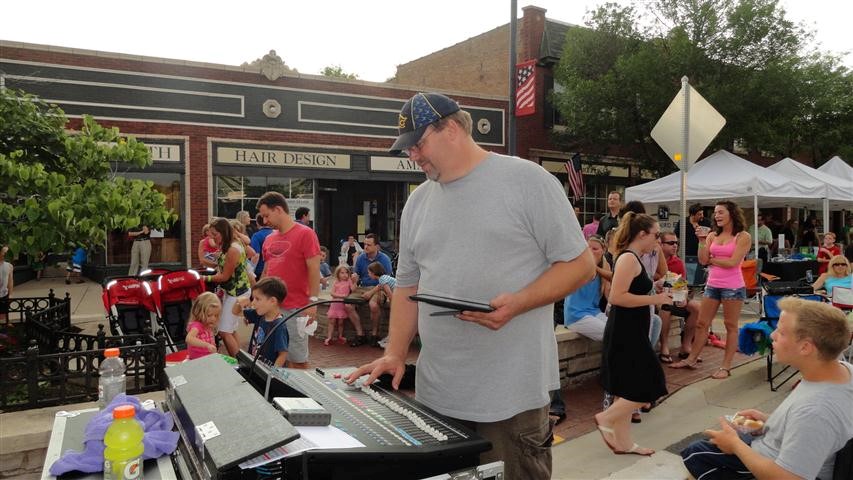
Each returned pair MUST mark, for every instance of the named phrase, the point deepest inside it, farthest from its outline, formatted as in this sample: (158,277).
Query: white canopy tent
(837,194)
(837,168)
(725,176)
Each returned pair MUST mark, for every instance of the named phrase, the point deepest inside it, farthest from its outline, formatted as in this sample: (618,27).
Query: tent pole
(755,222)
(826,216)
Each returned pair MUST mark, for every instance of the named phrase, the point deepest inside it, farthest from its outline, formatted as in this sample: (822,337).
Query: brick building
(480,65)
(220,136)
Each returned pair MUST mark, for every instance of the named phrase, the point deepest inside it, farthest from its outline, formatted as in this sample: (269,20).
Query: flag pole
(512,82)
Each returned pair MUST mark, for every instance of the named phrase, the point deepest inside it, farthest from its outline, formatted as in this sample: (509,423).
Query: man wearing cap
(492,371)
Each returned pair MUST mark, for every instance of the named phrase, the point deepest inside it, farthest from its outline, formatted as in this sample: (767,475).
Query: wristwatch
(313,299)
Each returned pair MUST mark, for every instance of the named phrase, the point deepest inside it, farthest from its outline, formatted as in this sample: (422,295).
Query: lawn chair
(129,306)
(751,270)
(771,316)
(842,298)
(173,294)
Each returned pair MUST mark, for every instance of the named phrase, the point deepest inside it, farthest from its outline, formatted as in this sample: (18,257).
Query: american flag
(525,93)
(573,168)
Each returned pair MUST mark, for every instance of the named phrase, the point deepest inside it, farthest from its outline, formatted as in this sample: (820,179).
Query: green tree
(61,188)
(336,71)
(751,63)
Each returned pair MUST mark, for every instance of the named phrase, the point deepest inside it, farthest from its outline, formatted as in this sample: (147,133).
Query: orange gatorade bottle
(123,442)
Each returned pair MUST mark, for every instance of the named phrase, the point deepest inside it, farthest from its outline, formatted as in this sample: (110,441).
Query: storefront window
(165,244)
(242,193)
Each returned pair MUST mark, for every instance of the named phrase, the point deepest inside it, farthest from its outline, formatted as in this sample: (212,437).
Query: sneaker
(357,341)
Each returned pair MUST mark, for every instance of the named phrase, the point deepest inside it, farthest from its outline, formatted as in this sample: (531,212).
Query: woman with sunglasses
(838,275)
(723,250)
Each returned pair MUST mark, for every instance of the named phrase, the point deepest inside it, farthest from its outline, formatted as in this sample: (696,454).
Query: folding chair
(771,315)
(751,270)
(842,298)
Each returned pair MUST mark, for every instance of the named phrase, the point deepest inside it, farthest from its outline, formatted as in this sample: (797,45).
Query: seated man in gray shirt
(802,436)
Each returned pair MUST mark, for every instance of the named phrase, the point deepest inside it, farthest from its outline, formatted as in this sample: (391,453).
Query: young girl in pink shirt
(343,286)
(202,328)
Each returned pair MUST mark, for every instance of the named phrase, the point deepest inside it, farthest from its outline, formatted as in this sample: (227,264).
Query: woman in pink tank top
(723,251)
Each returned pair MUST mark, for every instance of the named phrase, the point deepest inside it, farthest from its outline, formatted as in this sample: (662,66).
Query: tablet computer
(453,303)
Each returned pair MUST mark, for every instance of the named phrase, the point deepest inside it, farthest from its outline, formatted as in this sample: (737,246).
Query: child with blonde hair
(204,317)
(343,286)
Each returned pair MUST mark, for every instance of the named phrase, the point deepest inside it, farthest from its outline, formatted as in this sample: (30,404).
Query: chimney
(531,31)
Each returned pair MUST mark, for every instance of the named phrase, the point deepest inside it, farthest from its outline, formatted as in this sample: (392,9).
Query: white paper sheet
(310,438)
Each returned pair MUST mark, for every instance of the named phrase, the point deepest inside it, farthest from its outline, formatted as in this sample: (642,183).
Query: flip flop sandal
(665,358)
(684,364)
(716,374)
(604,431)
(635,418)
(633,451)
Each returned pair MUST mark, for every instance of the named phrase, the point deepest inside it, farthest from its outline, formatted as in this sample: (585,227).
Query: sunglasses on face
(838,265)
(671,242)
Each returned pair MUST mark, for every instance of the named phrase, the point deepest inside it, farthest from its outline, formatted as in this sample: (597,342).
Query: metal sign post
(684,131)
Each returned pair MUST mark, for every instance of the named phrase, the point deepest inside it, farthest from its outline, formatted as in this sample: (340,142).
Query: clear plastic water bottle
(112,379)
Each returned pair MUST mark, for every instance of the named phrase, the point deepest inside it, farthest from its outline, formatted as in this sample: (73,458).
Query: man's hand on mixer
(387,364)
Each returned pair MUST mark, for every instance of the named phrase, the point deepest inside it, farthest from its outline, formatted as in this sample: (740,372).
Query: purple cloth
(159,438)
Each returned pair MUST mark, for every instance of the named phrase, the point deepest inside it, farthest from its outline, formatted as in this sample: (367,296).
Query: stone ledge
(580,357)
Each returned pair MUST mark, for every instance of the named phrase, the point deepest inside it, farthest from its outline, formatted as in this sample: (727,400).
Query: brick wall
(479,64)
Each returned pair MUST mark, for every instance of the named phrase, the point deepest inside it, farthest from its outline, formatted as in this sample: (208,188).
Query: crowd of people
(612,275)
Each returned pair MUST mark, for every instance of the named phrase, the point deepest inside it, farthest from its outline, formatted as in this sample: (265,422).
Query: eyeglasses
(657,235)
(418,146)
(671,242)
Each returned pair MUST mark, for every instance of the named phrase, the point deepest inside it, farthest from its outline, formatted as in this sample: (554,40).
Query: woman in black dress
(630,370)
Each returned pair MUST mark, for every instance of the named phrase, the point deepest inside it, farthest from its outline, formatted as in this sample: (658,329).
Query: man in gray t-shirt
(801,437)
(492,229)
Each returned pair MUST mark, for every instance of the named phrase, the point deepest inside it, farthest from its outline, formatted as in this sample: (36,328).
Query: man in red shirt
(291,253)
(669,245)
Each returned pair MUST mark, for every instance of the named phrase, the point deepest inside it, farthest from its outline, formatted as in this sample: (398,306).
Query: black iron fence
(70,375)
(60,366)
(60,308)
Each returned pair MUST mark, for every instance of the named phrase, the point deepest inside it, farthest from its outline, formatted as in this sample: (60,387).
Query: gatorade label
(133,469)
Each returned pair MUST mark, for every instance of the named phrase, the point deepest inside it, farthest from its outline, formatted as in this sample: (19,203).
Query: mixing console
(400,433)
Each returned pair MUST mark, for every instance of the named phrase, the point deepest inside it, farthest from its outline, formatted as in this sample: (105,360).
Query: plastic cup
(679,297)
(702,231)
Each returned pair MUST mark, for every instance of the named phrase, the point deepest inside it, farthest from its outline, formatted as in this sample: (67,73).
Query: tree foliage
(335,71)
(61,188)
(751,63)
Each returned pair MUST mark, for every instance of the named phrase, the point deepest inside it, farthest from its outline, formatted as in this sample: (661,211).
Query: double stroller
(154,302)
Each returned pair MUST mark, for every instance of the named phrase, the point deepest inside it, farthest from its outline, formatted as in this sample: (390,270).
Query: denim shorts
(725,293)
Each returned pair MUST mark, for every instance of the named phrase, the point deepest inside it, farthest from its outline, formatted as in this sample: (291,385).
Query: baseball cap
(418,113)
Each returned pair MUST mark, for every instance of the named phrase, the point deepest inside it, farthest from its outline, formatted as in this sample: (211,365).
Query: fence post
(32,374)
(101,337)
(66,312)
(51,297)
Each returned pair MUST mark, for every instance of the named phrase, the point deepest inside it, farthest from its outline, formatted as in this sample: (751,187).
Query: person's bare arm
(662,267)
(761,467)
(821,280)
(194,341)
(704,251)
(280,359)
(560,279)
(402,329)
(741,249)
(232,258)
